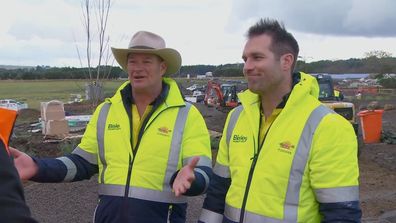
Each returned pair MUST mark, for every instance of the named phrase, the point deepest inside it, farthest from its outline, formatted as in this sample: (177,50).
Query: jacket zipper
(251,171)
(134,151)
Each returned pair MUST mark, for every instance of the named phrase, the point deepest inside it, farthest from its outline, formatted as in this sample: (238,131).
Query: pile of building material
(53,120)
(12,104)
(77,123)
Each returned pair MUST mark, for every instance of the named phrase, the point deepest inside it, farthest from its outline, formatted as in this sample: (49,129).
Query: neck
(268,104)
(271,99)
(144,98)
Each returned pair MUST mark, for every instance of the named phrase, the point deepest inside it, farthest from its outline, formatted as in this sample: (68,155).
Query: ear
(287,61)
(163,68)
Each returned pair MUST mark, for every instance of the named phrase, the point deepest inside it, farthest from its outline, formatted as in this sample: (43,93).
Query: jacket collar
(296,77)
(127,98)
(169,96)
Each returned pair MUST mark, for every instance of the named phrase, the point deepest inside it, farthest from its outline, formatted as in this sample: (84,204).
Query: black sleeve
(348,211)
(215,196)
(52,170)
(12,200)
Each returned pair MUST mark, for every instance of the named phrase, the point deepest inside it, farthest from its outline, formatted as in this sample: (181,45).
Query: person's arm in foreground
(79,165)
(12,201)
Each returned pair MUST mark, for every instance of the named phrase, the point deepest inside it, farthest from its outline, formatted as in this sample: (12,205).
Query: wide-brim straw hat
(151,43)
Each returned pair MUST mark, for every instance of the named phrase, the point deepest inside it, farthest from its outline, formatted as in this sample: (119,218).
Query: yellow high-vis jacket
(308,157)
(174,133)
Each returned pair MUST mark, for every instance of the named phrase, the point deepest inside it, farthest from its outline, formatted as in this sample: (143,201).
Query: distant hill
(370,65)
(14,67)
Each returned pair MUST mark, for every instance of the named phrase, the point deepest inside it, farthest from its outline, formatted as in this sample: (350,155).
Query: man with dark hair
(282,41)
(283,157)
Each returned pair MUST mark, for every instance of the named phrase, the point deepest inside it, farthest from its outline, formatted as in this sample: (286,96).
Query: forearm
(199,186)
(213,206)
(340,212)
(215,198)
(71,167)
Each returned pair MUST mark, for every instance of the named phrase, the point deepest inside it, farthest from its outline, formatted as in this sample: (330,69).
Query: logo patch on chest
(165,131)
(113,126)
(239,138)
(286,147)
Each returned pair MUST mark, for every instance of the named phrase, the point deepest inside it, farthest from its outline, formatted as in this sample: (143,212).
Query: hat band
(141,47)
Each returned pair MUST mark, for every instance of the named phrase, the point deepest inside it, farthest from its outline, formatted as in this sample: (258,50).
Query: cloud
(332,17)
(46,32)
(46,19)
(24,30)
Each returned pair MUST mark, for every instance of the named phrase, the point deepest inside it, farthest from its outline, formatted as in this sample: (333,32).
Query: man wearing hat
(149,147)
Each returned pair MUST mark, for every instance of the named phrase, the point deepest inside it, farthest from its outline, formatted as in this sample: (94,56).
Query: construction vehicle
(221,95)
(327,97)
(225,95)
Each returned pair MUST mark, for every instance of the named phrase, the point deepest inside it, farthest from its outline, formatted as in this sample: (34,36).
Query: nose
(248,66)
(135,67)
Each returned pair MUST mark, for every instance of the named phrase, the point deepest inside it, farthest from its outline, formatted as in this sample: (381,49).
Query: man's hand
(25,165)
(185,177)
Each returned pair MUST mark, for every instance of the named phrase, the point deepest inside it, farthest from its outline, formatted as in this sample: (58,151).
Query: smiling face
(265,72)
(145,72)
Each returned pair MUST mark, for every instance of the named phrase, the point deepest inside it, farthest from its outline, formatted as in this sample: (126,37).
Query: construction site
(76,202)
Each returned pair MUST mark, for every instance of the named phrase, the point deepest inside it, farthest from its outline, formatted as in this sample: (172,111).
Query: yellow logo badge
(286,147)
(164,131)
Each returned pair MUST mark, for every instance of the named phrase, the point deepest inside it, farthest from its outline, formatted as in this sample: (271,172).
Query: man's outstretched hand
(185,177)
(25,165)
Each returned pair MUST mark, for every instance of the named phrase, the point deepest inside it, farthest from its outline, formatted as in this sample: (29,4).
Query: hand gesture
(25,165)
(185,177)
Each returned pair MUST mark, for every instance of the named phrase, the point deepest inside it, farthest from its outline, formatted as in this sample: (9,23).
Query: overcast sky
(48,32)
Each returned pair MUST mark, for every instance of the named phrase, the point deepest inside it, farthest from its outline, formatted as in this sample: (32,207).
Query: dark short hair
(282,41)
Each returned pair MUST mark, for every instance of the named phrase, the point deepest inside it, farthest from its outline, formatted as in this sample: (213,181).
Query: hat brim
(171,57)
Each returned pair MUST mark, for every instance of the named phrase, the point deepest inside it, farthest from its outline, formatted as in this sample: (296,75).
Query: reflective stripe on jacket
(308,157)
(174,133)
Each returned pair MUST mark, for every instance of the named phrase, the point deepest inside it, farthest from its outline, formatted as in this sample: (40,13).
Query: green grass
(34,92)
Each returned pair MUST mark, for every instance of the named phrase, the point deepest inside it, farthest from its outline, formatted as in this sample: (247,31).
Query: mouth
(138,77)
(252,75)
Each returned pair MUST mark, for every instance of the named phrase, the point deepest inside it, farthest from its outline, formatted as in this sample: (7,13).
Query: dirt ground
(75,202)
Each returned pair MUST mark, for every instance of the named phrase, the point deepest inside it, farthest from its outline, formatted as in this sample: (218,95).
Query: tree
(387,81)
(102,69)
(378,54)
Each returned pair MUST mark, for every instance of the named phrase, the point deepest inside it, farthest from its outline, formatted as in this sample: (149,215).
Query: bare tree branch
(101,9)
(86,12)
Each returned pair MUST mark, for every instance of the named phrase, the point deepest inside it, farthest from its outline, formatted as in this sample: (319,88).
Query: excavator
(327,97)
(221,95)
